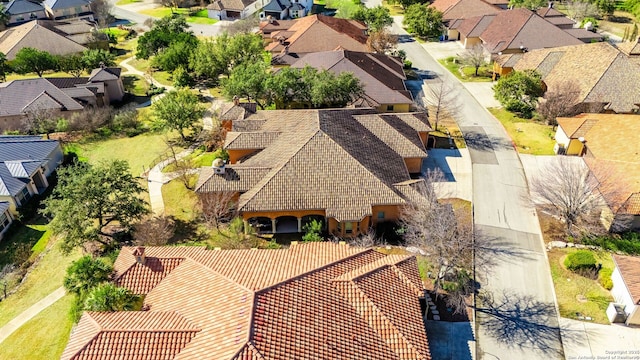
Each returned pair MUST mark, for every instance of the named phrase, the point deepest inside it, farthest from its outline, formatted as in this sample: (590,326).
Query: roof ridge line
(619,54)
(149,330)
(522,27)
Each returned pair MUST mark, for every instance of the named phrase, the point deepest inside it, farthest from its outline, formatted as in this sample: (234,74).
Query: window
(348,227)
(4,221)
(389,107)
(24,195)
(33,16)
(339,228)
(380,215)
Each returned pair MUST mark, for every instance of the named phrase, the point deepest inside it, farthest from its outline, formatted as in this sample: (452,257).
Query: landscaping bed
(467,73)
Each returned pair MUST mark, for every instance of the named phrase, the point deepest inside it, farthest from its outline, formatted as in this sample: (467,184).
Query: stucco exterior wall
(621,295)
(471,42)
(399,108)
(391,213)
(414,165)
(22,18)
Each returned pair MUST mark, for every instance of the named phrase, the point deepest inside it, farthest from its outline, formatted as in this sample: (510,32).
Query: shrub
(312,231)
(604,277)
(628,243)
(580,260)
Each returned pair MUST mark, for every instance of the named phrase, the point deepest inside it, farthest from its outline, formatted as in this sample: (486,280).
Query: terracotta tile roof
(140,335)
(632,205)
(629,267)
(152,271)
(325,156)
(288,304)
(520,27)
(612,140)
(382,76)
(464,9)
(235,178)
(320,33)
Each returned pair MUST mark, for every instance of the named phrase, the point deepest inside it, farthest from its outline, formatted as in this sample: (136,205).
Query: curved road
(519,319)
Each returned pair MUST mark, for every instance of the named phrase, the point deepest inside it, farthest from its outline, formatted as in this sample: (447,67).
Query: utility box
(615,313)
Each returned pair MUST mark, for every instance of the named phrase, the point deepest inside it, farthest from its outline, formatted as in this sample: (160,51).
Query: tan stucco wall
(471,42)
(575,147)
(235,155)
(391,213)
(414,165)
(401,108)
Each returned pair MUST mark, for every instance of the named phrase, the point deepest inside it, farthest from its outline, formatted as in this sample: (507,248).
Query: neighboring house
(5,218)
(313,33)
(41,35)
(233,9)
(25,164)
(516,31)
(555,17)
(454,11)
(311,301)
(69,9)
(58,96)
(607,78)
(610,144)
(20,11)
(349,168)
(283,9)
(626,286)
(382,76)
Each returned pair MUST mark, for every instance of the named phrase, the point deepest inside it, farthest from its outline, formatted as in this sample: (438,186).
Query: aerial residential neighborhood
(327,179)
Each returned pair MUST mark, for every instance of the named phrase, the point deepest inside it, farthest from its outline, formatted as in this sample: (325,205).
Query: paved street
(519,320)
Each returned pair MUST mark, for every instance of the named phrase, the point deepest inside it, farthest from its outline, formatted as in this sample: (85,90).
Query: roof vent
(138,252)
(218,166)
(581,139)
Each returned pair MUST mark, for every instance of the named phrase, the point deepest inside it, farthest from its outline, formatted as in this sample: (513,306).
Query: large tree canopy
(89,198)
(519,91)
(164,32)
(178,110)
(423,20)
(33,60)
(86,273)
(222,54)
(376,18)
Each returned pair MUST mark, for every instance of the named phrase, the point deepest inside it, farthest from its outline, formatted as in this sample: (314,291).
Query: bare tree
(182,166)
(446,236)
(561,101)
(578,10)
(442,101)
(102,10)
(382,42)
(474,57)
(367,240)
(568,189)
(217,207)
(154,231)
(40,120)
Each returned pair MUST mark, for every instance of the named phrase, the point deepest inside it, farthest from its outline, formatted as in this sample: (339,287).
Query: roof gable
(16,7)
(19,96)
(464,9)
(33,34)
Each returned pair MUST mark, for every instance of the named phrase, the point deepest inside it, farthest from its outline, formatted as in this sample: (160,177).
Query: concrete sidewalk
(585,340)
(28,314)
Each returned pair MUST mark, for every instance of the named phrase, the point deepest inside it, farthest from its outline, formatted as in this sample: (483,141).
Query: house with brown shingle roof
(349,168)
(515,31)
(607,77)
(626,286)
(313,33)
(381,75)
(310,301)
(609,143)
(464,9)
(37,34)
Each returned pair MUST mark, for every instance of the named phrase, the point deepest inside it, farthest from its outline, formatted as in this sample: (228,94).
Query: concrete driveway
(443,49)
(456,167)
(483,93)
(584,340)
(533,166)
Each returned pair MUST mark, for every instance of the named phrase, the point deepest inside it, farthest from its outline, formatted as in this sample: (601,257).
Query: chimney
(550,4)
(270,19)
(138,252)
(102,65)
(236,100)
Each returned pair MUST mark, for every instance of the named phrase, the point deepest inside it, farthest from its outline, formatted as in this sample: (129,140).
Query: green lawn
(140,151)
(43,337)
(14,76)
(33,236)
(468,73)
(125,2)
(125,49)
(118,33)
(140,64)
(163,77)
(569,286)
(135,85)
(179,201)
(394,9)
(45,277)
(530,136)
(344,7)
(201,17)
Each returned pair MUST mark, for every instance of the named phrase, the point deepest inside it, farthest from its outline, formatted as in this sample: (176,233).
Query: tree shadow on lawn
(17,243)
(521,321)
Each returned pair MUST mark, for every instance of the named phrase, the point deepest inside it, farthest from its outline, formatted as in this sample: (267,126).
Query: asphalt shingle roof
(20,156)
(37,34)
(16,7)
(629,267)
(64,4)
(316,300)
(17,95)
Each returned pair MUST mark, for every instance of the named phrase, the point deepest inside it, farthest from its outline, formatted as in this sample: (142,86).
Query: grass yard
(126,2)
(45,277)
(14,76)
(569,286)
(118,33)
(394,9)
(135,85)
(163,77)
(140,64)
(200,17)
(125,49)
(344,8)
(32,236)
(51,328)
(179,201)
(466,73)
(140,151)
(530,136)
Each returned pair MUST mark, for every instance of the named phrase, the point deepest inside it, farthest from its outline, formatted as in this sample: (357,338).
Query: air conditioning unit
(218,166)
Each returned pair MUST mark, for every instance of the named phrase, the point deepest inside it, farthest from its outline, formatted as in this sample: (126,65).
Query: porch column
(246,226)
(299,224)
(273,226)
